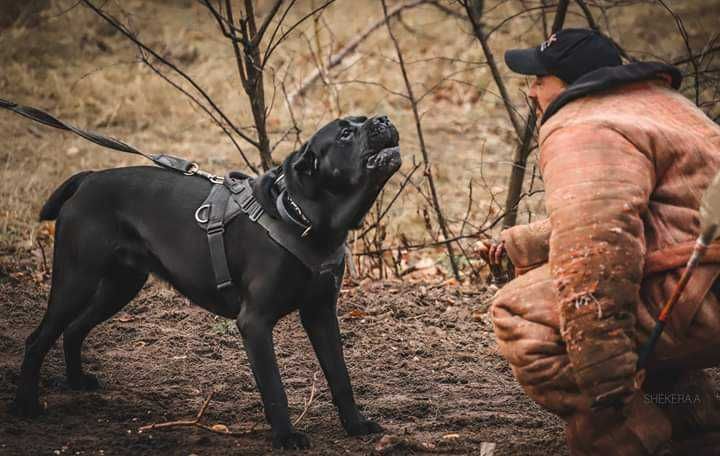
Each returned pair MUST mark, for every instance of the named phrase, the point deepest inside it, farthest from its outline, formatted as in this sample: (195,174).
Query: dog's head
(339,172)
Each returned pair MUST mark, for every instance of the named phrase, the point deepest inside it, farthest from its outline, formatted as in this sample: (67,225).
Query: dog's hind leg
(117,288)
(70,293)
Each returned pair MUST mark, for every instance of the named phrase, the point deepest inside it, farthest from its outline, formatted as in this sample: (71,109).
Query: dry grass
(76,67)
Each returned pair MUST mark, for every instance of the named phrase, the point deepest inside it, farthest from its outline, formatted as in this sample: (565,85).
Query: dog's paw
(25,408)
(84,382)
(291,441)
(363,427)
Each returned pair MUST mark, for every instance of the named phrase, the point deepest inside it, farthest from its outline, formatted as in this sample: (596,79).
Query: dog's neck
(327,214)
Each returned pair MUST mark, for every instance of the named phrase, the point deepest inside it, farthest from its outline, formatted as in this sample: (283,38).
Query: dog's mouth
(385,159)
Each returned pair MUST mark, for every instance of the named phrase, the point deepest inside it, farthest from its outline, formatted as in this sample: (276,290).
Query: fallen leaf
(220,428)
(424,263)
(356,314)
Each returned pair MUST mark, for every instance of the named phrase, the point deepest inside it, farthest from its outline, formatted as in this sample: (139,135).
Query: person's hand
(494,254)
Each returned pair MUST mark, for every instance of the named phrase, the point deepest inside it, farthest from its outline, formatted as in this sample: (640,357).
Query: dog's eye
(346,134)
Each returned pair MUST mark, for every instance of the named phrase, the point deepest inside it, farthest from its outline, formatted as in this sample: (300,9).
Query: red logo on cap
(547,43)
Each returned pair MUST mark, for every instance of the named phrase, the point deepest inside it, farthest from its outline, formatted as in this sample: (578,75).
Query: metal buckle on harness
(199,210)
(245,200)
(255,211)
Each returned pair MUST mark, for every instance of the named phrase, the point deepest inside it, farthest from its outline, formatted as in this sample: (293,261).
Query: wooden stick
(216,428)
(313,388)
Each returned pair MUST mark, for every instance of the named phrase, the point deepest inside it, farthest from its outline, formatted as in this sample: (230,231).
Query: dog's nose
(382,120)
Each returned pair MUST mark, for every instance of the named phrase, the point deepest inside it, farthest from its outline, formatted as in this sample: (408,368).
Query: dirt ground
(422,360)
(421,355)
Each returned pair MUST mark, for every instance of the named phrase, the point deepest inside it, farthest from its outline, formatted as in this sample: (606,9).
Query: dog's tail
(51,208)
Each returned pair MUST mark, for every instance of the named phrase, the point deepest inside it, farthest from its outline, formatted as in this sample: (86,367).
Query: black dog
(118,225)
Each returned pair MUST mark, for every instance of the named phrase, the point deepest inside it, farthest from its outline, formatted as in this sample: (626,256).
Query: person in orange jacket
(625,159)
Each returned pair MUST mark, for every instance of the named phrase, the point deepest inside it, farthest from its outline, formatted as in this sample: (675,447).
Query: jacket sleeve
(597,185)
(527,245)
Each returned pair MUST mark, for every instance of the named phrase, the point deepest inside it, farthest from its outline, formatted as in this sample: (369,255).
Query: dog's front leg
(258,341)
(321,325)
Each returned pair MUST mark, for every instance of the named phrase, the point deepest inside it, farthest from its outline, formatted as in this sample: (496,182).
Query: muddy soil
(422,360)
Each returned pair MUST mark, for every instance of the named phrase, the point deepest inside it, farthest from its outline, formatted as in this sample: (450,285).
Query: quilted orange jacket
(624,172)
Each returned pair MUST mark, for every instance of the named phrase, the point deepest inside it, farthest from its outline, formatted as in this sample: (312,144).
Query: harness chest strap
(226,201)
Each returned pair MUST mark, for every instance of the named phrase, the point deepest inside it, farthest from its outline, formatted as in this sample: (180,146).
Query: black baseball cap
(568,54)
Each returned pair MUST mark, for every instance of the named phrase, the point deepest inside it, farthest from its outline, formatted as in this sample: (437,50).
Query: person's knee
(526,325)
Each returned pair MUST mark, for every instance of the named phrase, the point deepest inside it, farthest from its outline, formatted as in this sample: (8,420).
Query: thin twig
(337,58)
(392,201)
(686,41)
(131,36)
(421,140)
(44,258)
(272,46)
(217,428)
(313,389)
(474,17)
(202,106)
(427,244)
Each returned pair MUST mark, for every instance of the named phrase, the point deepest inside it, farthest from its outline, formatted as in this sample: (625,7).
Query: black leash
(166,161)
(219,212)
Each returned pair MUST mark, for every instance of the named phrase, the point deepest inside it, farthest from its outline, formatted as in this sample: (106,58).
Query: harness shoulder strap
(287,236)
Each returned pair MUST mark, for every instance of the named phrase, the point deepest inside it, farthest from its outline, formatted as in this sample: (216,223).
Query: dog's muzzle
(383,144)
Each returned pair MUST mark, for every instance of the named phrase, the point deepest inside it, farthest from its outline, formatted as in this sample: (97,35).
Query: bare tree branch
(258,35)
(337,58)
(421,139)
(474,17)
(131,36)
(686,40)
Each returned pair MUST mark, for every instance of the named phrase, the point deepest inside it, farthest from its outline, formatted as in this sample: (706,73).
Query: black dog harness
(234,195)
(228,197)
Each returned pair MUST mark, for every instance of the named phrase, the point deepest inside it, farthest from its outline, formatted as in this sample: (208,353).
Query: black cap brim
(525,61)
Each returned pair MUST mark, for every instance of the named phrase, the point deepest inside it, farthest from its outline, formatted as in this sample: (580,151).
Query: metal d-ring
(199,210)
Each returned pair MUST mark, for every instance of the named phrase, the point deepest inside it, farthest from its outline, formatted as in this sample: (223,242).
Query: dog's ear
(306,161)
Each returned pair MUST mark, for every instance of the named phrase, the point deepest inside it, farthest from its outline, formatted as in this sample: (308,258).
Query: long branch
(337,58)
(421,140)
(686,41)
(490,58)
(129,35)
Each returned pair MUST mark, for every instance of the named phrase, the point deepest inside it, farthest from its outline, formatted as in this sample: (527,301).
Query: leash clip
(192,169)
